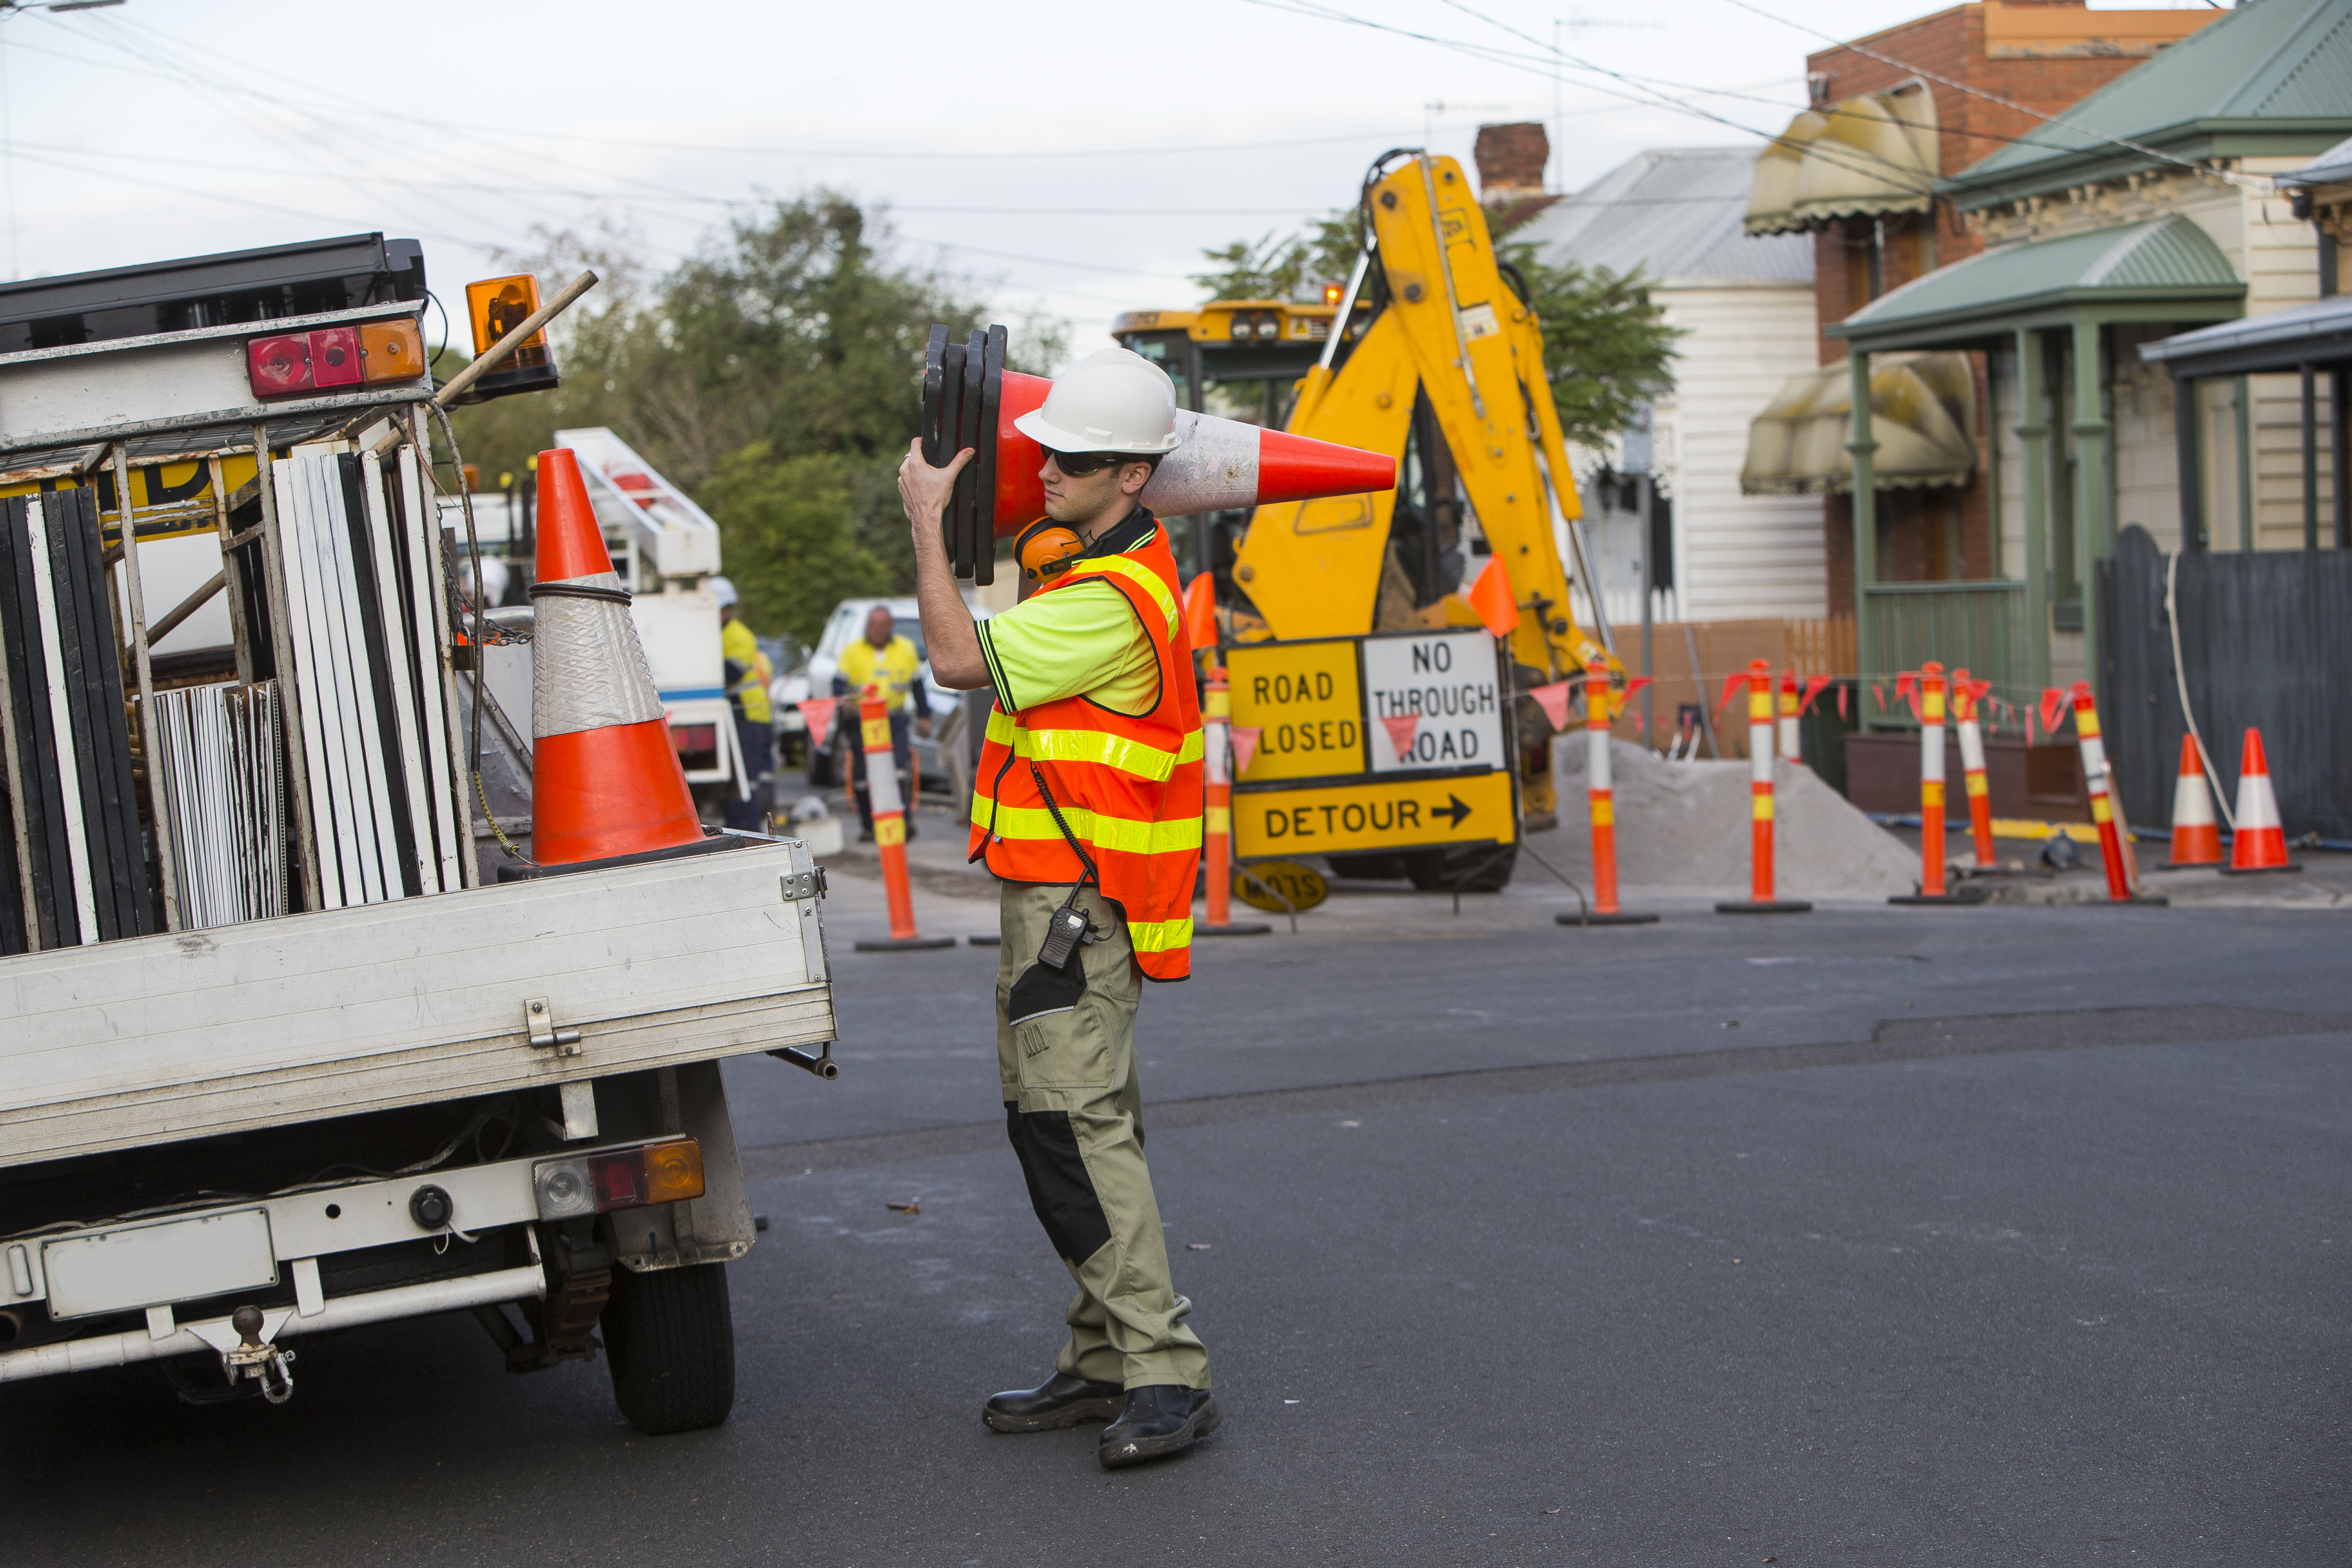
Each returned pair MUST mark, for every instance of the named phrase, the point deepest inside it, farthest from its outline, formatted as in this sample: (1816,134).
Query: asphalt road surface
(1872,1237)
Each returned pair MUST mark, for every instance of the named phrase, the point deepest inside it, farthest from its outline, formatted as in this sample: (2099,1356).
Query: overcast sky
(1061,158)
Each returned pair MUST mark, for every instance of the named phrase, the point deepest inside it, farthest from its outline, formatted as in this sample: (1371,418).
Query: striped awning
(1866,157)
(1924,418)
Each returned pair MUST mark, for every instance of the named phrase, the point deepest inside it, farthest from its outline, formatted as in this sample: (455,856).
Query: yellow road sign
(1304,699)
(1300,884)
(1377,814)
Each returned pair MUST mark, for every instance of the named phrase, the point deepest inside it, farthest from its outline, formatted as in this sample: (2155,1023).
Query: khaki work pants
(1065,1054)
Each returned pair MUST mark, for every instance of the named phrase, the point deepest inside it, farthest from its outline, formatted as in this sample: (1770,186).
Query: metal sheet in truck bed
(165,1038)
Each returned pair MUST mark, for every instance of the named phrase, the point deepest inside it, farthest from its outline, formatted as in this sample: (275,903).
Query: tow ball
(271,1366)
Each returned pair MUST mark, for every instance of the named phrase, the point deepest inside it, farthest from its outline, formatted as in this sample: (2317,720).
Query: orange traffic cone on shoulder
(2196,834)
(605,779)
(2261,841)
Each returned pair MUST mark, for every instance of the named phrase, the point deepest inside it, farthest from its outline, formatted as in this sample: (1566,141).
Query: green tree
(1607,346)
(792,546)
(1278,267)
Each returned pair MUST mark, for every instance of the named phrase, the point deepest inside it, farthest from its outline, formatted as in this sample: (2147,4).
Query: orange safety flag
(1840,702)
(1490,596)
(1201,613)
(1733,685)
(1814,687)
(1401,727)
(1635,684)
(1244,745)
(2054,704)
(1878,695)
(1905,683)
(1554,699)
(817,713)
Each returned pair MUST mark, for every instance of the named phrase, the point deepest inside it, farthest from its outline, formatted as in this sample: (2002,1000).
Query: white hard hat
(721,589)
(1114,400)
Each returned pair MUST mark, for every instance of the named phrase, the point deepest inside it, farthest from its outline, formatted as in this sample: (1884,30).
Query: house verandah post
(2094,522)
(1863,444)
(2033,435)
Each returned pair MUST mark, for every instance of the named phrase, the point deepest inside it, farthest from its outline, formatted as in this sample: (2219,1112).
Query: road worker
(886,664)
(747,673)
(1087,805)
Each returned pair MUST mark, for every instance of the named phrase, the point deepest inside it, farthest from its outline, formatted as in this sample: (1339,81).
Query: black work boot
(1160,1418)
(1062,1400)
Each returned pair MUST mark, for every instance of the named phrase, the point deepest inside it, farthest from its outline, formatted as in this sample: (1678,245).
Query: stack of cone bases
(2261,842)
(605,779)
(2196,835)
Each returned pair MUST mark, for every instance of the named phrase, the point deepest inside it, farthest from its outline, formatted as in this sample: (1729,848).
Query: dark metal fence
(2266,643)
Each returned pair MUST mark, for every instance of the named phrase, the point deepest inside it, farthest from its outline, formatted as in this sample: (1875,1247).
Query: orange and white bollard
(1931,791)
(2196,833)
(1792,746)
(2260,842)
(1759,901)
(1600,792)
(2096,780)
(1966,695)
(890,830)
(1217,790)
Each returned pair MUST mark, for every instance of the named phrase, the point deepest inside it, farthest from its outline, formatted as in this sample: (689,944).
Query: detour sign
(1374,814)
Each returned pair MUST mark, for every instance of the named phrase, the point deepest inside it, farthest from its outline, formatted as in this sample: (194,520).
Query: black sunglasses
(1079,465)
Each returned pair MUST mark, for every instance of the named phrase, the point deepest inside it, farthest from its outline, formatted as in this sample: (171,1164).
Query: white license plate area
(156,1264)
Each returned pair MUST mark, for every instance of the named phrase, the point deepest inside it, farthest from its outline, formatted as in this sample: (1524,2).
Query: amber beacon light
(496,306)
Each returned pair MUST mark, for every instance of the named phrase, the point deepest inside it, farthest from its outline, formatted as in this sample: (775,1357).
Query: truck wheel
(1479,869)
(670,1338)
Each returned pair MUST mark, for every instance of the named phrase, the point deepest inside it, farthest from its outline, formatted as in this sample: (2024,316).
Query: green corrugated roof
(2167,258)
(2282,67)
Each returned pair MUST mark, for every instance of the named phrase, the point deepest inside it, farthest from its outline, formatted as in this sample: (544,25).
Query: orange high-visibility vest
(1129,787)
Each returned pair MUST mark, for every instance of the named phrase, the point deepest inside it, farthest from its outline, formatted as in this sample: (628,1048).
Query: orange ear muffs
(1046,550)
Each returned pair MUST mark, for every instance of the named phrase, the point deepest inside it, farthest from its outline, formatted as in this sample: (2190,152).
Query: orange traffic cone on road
(605,779)
(2261,841)
(889,809)
(2196,835)
(1217,790)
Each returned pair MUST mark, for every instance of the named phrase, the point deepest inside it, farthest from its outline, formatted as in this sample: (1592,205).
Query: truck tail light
(611,1179)
(277,366)
(692,739)
(392,350)
(335,357)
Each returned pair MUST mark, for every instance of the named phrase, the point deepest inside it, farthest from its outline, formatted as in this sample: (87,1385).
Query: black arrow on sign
(1453,808)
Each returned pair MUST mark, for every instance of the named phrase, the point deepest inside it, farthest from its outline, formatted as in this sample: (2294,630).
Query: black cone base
(1233,928)
(1619,919)
(986,939)
(1934,898)
(905,943)
(1764,907)
(2256,870)
(2192,865)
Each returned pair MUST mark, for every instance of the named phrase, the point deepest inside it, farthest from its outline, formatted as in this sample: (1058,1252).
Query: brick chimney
(1511,160)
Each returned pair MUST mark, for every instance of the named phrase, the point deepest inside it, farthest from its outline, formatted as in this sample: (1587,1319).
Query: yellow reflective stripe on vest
(1159,936)
(1135,571)
(1145,762)
(1035,823)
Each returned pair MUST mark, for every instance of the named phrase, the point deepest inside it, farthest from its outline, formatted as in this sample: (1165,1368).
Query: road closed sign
(1374,814)
(1303,700)
(1432,700)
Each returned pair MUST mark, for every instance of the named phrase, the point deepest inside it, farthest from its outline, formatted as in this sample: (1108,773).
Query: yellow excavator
(1389,732)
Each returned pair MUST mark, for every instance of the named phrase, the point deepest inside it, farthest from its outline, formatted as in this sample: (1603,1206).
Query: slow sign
(1304,699)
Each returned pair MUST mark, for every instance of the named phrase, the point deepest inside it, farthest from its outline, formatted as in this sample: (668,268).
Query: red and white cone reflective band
(1600,793)
(2196,832)
(1760,899)
(1217,791)
(2261,841)
(1966,695)
(1793,748)
(889,828)
(2096,779)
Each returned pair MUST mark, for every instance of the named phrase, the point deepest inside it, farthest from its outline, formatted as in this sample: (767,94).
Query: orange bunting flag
(1401,727)
(1878,695)
(1905,683)
(1490,596)
(1245,744)
(2054,705)
(1840,702)
(1639,728)
(1912,697)
(1733,684)
(1201,613)
(1635,684)
(1980,689)
(1814,687)
(1554,700)
(817,712)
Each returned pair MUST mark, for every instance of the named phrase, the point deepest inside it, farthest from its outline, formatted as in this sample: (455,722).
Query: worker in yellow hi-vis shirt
(748,674)
(885,660)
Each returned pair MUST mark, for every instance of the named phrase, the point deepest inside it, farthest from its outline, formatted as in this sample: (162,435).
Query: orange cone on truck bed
(605,779)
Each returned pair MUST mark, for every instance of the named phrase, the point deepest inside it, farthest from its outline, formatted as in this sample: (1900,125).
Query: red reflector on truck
(335,357)
(277,366)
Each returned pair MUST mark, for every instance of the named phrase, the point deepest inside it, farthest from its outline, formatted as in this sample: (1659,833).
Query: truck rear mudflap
(494,990)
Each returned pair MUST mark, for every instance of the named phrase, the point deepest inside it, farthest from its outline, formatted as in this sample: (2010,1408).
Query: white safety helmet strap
(1114,400)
